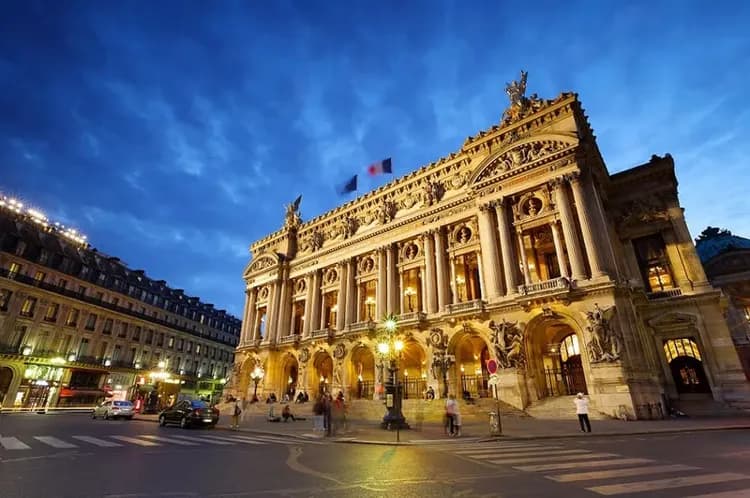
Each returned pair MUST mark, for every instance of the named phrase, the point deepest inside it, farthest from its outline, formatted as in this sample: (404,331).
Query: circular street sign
(491,366)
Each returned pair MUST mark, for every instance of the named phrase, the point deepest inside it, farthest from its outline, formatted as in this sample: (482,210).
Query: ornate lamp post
(256,376)
(441,365)
(390,347)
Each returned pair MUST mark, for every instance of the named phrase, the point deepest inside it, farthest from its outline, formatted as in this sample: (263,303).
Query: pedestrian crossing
(604,473)
(12,443)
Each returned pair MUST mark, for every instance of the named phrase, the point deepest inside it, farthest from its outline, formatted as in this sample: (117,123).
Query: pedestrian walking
(451,408)
(237,411)
(582,410)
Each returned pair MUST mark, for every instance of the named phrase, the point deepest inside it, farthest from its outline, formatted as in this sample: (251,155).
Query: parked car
(189,413)
(114,409)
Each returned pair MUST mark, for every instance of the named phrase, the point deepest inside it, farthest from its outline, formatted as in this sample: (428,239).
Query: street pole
(398,400)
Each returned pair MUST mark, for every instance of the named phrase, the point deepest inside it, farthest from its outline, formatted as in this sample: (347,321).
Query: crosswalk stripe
(507,450)
(632,471)
(672,482)
(12,443)
(168,440)
(529,454)
(545,458)
(203,440)
(270,439)
(573,465)
(96,441)
(139,442)
(54,442)
(236,439)
(740,493)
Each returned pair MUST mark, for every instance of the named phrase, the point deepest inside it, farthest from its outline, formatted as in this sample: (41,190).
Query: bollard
(494,424)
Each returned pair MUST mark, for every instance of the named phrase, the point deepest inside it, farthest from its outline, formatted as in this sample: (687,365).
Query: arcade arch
(413,369)
(289,382)
(6,376)
(555,360)
(322,372)
(686,364)
(362,373)
(470,370)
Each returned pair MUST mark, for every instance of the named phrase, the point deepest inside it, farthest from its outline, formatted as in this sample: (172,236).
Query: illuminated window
(412,292)
(652,259)
(72,319)
(13,270)
(51,314)
(569,347)
(299,317)
(369,299)
(197,349)
(39,277)
(28,306)
(684,346)
(466,268)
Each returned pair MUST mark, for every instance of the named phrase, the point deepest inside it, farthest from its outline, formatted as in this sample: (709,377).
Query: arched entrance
(323,372)
(290,377)
(362,373)
(685,362)
(6,376)
(413,370)
(472,353)
(555,358)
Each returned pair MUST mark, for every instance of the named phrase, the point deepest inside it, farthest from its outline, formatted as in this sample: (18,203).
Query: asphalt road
(74,456)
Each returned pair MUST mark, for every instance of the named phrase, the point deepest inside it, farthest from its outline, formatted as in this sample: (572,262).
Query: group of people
(330,414)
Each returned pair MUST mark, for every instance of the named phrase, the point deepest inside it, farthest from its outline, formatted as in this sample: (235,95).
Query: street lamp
(390,347)
(256,375)
(441,365)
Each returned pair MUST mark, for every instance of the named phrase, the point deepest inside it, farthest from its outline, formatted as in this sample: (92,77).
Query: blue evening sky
(172,133)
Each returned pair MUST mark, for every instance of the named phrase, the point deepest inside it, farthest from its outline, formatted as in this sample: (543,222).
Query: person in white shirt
(582,410)
(451,412)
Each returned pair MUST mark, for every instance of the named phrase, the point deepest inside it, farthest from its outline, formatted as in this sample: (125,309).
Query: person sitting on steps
(286,413)
(272,417)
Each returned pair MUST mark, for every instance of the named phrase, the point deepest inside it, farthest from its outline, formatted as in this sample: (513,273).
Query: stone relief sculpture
(438,339)
(339,351)
(386,211)
(347,227)
(304,355)
(432,192)
(263,262)
(507,339)
(606,343)
(314,241)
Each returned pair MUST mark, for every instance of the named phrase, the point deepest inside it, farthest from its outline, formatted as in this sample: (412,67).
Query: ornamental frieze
(521,155)
(432,192)
(312,242)
(262,263)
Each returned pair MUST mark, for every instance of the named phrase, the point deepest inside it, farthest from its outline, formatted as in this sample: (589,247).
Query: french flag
(379,167)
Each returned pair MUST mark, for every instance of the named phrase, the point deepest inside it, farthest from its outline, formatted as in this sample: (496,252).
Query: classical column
(382,297)
(559,250)
(490,274)
(392,289)
(315,303)
(358,304)
(341,301)
(430,299)
(272,313)
(404,307)
(292,317)
(307,323)
(569,230)
(284,308)
(441,270)
(524,261)
(506,247)
(585,219)
(452,265)
(601,221)
(482,284)
(693,265)
(323,317)
(251,312)
(351,315)
(246,319)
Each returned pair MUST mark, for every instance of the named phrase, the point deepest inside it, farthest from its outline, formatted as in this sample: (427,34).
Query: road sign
(494,379)
(491,366)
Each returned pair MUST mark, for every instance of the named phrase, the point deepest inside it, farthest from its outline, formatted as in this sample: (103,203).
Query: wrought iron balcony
(477,305)
(555,284)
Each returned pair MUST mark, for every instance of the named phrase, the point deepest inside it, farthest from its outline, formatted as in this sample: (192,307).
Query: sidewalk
(369,432)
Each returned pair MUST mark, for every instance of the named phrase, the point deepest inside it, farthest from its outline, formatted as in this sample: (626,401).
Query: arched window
(569,347)
(683,346)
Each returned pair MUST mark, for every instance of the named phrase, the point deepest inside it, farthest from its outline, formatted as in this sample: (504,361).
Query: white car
(114,409)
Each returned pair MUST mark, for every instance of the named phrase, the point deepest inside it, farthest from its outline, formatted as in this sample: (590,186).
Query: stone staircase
(699,405)
(559,408)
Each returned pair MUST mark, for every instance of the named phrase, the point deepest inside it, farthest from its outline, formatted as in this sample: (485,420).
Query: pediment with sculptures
(262,263)
(521,155)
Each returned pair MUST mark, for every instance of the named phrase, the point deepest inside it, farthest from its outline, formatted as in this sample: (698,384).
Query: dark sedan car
(189,413)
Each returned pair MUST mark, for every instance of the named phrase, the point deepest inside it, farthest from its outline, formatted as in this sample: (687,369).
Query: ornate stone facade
(520,247)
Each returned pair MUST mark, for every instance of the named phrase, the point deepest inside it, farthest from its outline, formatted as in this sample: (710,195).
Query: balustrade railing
(475,305)
(665,294)
(559,283)
(414,316)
